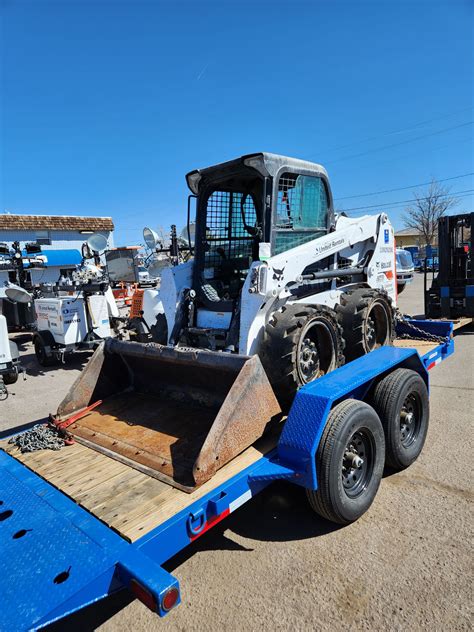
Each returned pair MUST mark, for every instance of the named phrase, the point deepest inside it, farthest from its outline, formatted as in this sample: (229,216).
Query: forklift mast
(452,292)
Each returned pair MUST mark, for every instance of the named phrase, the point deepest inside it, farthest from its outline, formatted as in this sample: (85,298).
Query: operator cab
(258,198)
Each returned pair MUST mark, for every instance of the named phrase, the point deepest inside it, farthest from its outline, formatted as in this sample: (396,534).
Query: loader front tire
(367,319)
(301,343)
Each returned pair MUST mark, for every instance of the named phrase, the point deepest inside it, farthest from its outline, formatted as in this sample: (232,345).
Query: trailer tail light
(144,595)
(170,599)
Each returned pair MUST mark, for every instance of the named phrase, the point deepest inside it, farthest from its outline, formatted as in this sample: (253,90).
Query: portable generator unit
(10,366)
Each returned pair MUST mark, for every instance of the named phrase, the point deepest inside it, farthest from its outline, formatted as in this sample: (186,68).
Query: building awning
(61,257)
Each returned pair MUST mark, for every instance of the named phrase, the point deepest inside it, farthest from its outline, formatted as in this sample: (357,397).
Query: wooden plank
(422,346)
(462,322)
(129,501)
(148,517)
(132,463)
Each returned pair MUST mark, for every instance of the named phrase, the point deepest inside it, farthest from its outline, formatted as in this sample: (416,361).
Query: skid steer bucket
(177,414)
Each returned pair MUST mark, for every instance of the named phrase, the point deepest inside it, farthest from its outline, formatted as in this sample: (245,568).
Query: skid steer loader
(280,290)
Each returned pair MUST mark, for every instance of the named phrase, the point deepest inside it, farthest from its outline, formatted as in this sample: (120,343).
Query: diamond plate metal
(44,559)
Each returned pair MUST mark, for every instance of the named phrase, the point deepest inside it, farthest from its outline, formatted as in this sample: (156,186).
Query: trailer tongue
(176,414)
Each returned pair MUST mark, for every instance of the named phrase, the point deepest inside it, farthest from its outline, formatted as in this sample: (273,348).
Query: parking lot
(273,564)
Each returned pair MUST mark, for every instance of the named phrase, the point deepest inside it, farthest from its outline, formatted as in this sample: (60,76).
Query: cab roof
(265,163)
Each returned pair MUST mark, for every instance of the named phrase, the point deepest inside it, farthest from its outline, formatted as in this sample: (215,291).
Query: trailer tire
(367,319)
(346,487)
(401,401)
(301,343)
(11,377)
(44,358)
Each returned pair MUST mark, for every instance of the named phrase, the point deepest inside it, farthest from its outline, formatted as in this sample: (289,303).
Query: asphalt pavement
(275,565)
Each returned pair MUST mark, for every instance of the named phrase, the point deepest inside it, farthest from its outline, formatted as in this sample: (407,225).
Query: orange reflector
(143,595)
(170,599)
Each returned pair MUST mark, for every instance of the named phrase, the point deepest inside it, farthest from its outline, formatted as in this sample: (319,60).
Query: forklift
(451,294)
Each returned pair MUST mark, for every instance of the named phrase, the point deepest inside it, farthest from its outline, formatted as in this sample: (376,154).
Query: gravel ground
(273,564)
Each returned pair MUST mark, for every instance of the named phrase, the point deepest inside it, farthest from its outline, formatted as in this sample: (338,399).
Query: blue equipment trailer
(59,553)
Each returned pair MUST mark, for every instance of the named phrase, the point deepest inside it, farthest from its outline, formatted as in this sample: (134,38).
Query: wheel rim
(358,463)
(410,420)
(377,327)
(316,352)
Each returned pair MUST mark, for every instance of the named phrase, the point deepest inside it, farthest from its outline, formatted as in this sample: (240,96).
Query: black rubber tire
(159,331)
(404,443)
(279,351)
(11,377)
(401,287)
(355,311)
(331,500)
(43,358)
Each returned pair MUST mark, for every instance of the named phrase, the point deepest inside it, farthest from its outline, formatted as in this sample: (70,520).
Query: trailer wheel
(11,377)
(349,462)
(301,343)
(401,401)
(44,358)
(367,319)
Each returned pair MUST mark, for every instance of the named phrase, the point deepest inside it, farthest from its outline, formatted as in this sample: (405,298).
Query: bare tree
(427,208)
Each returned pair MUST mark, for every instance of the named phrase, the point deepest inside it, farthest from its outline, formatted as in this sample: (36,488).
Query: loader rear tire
(367,319)
(301,343)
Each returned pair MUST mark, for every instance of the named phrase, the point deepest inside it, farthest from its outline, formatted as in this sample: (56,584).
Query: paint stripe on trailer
(430,366)
(238,502)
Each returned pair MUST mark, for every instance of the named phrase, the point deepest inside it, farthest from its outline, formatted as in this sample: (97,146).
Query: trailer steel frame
(56,557)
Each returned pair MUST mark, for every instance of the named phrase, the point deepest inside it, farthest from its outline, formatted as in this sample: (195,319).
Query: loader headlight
(194,179)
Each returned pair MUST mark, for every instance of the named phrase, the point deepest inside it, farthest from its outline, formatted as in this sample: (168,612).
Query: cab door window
(301,211)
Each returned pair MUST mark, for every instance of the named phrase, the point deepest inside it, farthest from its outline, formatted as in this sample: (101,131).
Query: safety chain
(40,437)
(418,334)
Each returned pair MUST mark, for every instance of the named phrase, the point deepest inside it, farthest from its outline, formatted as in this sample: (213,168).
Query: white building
(60,235)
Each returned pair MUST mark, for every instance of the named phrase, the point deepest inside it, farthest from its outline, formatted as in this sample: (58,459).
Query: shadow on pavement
(75,361)
(279,513)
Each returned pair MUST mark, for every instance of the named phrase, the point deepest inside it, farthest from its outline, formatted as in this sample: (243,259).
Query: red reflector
(170,599)
(143,595)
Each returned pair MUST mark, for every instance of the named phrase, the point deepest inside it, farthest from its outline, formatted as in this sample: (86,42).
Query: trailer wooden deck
(130,502)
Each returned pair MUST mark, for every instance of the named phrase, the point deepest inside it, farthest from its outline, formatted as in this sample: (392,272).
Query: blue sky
(106,105)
